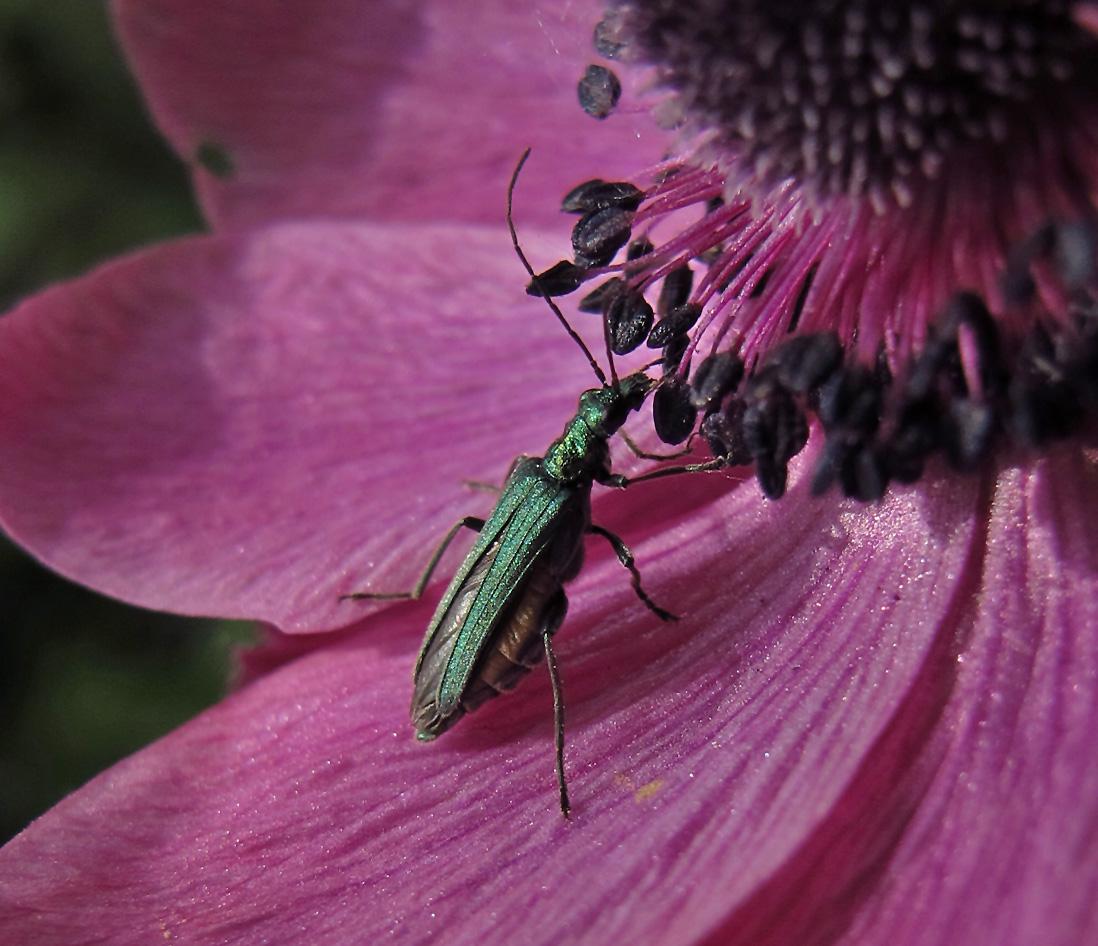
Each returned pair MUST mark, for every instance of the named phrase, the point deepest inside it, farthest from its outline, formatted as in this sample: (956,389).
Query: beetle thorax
(579,452)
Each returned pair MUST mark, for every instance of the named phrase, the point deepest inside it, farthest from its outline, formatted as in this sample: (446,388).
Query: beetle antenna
(537,282)
(610,355)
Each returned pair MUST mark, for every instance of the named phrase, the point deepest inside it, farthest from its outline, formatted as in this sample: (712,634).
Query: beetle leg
(644,455)
(616,480)
(481,487)
(471,522)
(626,558)
(491,487)
(710,466)
(558,718)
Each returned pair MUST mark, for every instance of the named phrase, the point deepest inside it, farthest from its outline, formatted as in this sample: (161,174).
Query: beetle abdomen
(518,645)
(513,648)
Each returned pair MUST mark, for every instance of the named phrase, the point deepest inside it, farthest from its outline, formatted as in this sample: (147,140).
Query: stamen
(879,217)
(599,91)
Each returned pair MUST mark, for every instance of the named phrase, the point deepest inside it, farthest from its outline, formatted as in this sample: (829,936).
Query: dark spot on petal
(216,159)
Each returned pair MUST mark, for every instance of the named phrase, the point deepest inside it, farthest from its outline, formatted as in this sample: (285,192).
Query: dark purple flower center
(851,97)
(880,215)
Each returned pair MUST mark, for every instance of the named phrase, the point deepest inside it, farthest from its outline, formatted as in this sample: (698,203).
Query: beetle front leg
(626,558)
(469,522)
(644,455)
(709,466)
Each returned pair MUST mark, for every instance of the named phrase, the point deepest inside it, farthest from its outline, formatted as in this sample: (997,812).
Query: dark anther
(1070,247)
(608,43)
(598,194)
(216,159)
(715,378)
(638,248)
(914,438)
(863,474)
(675,290)
(850,401)
(575,201)
(1078,355)
(1074,253)
(599,235)
(882,370)
(1017,285)
(1043,403)
(673,415)
(967,432)
(850,411)
(628,319)
(558,280)
(967,311)
(676,323)
(828,467)
(805,361)
(937,363)
(723,431)
(599,91)
(774,430)
(772,476)
(599,298)
(672,354)
(861,469)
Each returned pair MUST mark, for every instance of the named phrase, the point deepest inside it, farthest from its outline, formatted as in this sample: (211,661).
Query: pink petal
(710,760)
(393,110)
(1002,846)
(250,426)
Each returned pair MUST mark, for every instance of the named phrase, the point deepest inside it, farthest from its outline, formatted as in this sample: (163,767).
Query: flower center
(879,215)
(856,97)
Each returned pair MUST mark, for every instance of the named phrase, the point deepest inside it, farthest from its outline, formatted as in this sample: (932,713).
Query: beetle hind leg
(558,720)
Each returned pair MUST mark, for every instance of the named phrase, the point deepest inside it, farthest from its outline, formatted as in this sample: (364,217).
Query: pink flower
(873,724)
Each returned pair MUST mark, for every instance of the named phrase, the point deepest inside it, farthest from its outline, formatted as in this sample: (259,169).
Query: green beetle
(507,599)
(501,609)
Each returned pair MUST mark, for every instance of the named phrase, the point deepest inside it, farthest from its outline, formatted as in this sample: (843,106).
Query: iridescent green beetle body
(501,609)
(489,627)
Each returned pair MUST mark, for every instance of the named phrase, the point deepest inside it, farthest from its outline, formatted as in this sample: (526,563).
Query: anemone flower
(874,721)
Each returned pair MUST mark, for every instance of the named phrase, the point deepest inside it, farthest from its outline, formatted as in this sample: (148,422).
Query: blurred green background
(84,681)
